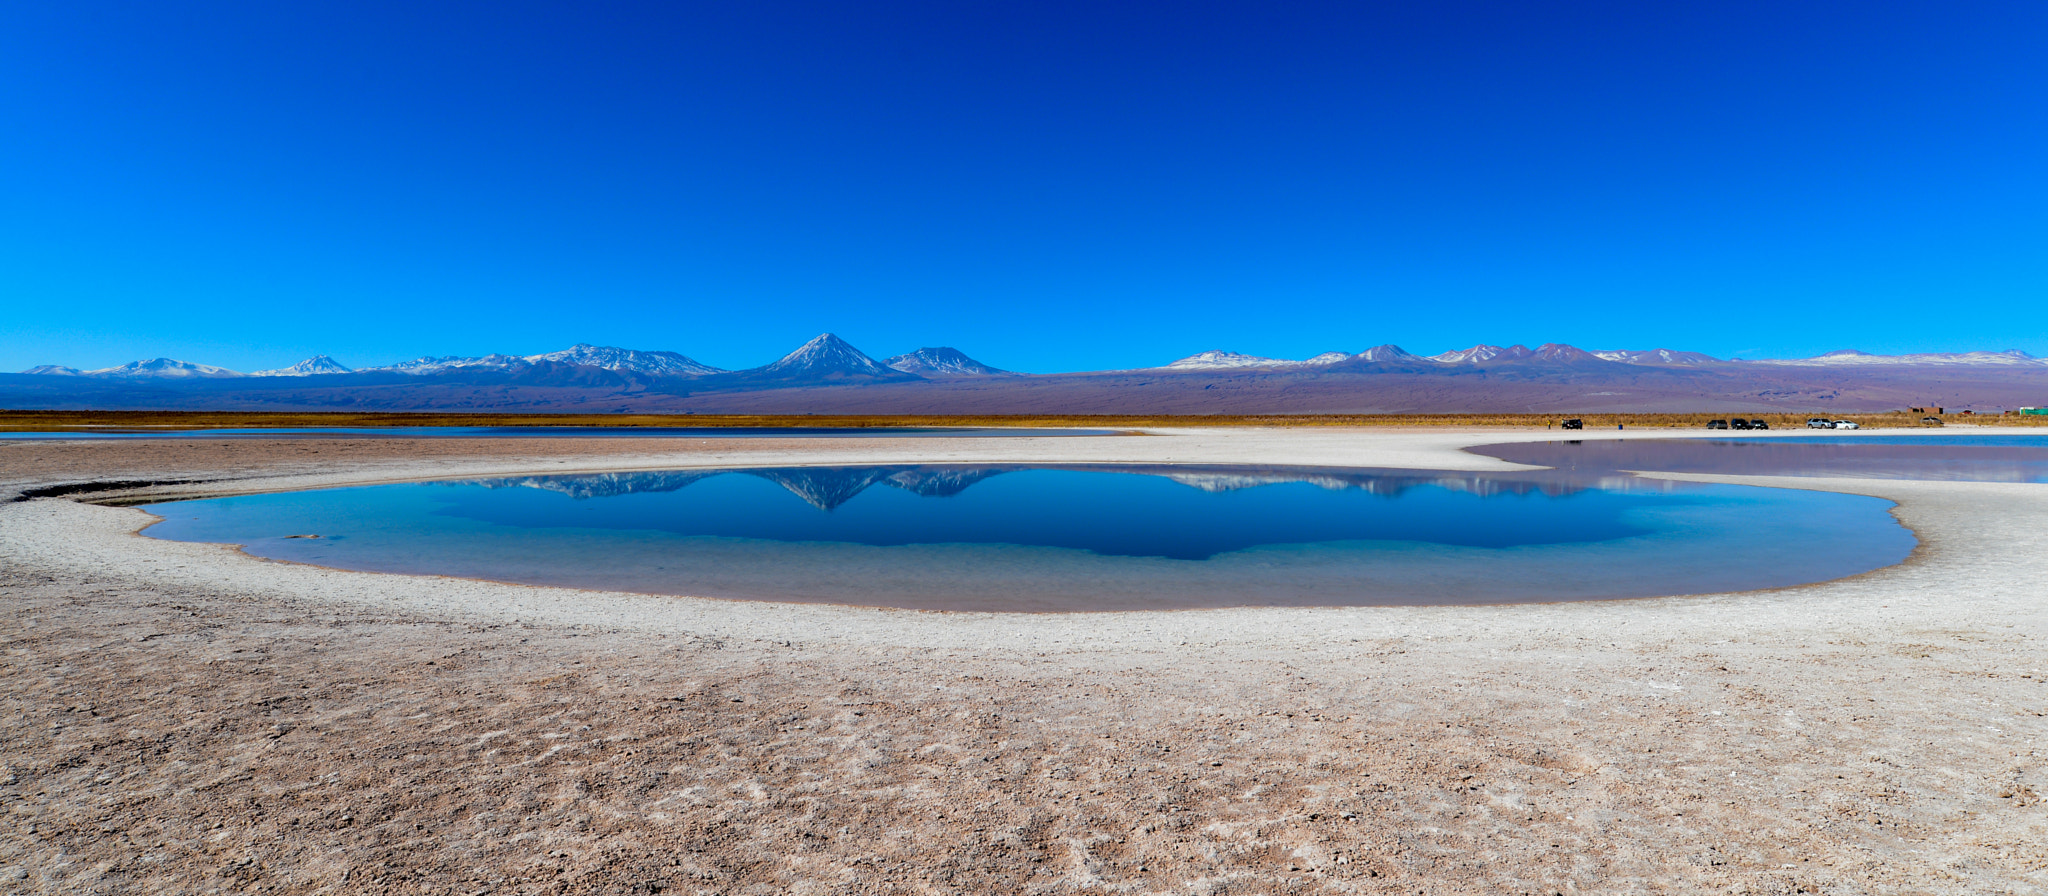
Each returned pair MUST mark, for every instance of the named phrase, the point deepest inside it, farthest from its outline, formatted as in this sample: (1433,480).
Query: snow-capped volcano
(53,370)
(163,368)
(313,366)
(828,357)
(655,363)
(942,362)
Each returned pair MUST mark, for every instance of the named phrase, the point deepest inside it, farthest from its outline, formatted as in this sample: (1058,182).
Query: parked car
(1574,423)
(1846,424)
(1738,423)
(1759,424)
(1819,423)
(1931,421)
(1717,424)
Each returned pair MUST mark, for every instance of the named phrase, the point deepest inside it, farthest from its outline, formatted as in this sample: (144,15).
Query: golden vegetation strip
(71,421)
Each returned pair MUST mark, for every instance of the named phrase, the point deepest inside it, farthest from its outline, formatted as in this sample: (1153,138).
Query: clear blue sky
(1045,186)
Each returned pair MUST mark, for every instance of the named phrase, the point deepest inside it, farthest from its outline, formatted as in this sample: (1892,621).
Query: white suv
(1819,423)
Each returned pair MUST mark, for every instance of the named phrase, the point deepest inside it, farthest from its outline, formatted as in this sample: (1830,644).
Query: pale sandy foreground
(181,718)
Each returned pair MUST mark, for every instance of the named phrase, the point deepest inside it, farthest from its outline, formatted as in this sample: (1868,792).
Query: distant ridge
(829,356)
(1222,360)
(583,354)
(1480,354)
(430,364)
(162,368)
(1559,352)
(1657,356)
(1854,358)
(828,375)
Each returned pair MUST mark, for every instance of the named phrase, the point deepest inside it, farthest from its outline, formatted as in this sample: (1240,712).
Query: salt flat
(183,717)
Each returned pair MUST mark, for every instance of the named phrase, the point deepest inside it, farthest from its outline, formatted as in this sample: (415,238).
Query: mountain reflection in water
(827,488)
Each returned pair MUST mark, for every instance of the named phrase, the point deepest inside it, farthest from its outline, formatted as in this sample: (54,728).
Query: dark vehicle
(1759,424)
(1574,423)
(1931,421)
(1717,424)
(1738,423)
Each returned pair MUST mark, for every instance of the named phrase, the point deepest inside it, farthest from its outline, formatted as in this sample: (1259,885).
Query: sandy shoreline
(1877,734)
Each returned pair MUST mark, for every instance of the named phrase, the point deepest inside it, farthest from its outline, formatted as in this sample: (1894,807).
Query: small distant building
(1934,411)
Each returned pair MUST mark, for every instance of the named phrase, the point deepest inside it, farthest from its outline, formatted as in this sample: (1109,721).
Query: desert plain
(185,718)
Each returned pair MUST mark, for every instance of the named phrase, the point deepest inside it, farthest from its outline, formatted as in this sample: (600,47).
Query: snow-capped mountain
(1222,360)
(163,368)
(1854,358)
(430,364)
(654,363)
(828,357)
(1488,354)
(829,360)
(942,362)
(1657,356)
(313,366)
(1480,354)
(152,369)
(582,354)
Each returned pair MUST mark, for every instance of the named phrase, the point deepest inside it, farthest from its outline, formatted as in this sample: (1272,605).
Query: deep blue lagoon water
(1017,538)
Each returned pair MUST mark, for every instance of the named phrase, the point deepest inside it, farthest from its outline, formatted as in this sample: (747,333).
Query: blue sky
(1045,186)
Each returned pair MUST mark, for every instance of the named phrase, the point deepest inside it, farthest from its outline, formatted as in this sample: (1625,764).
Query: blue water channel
(1058,539)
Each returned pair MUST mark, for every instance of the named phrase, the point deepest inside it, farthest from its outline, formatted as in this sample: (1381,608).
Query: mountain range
(828,488)
(830,357)
(829,375)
